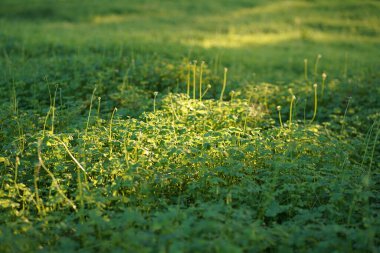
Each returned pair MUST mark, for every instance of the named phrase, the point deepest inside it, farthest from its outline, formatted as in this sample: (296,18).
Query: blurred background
(148,43)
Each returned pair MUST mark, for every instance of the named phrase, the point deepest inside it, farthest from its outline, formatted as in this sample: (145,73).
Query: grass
(120,129)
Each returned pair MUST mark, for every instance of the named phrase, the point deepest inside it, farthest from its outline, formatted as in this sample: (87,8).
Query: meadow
(189,126)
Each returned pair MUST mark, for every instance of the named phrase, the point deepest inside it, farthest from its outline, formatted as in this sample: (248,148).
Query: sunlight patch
(238,40)
(108,19)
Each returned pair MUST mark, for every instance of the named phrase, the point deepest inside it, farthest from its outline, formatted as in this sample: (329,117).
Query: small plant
(279,115)
(345,114)
(324,76)
(224,84)
(305,71)
(194,78)
(38,201)
(319,56)
(79,176)
(207,88)
(189,67)
(98,111)
(55,183)
(51,111)
(315,86)
(154,101)
(293,98)
(89,111)
(110,130)
(232,95)
(200,80)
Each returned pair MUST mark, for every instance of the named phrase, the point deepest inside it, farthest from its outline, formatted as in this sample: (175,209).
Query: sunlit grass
(240,40)
(189,126)
(243,40)
(109,19)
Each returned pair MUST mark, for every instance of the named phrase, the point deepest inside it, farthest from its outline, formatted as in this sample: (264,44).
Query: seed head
(208,86)
(225,69)
(319,56)
(305,60)
(155,93)
(99,98)
(324,76)
(293,97)
(290,91)
(315,85)
(278,108)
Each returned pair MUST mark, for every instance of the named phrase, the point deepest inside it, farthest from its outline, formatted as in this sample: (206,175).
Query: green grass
(101,150)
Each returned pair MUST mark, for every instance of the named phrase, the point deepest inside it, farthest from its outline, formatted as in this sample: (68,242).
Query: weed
(305,71)
(188,80)
(324,76)
(110,130)
(315,86)
(194,78)
(154,100)
(279,115)
(224,84)
(89,111)
(200,80)
(319,56)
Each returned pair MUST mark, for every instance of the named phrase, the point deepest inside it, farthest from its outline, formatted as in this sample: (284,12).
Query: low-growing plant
(189,170)
(315,86)
(224,84)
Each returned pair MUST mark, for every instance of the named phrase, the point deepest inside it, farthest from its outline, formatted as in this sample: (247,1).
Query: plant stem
(305,68)
(319,56)
(279,116)
(224,84)
(188,80)
(154,101)
(55,182)
(291,110)
(315,102)
(89,112)
(194,78)
(324,76)
(110,131)
(200,81)
(207,88)
(99,100)
(71,155)
(345,112)
(39,203)
(45,122)
(53,110)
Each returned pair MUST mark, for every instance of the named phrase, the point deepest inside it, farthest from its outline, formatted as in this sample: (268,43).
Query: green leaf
(5,161)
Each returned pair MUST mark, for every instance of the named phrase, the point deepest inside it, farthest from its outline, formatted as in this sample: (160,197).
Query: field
(189,126)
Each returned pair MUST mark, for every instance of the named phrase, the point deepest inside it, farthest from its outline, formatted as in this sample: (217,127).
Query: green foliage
(103,150)
(190,176)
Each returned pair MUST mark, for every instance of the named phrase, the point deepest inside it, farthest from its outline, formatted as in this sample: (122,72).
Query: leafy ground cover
(112,138)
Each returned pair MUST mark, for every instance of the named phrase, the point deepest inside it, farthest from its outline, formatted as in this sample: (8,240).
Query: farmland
(189,126)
